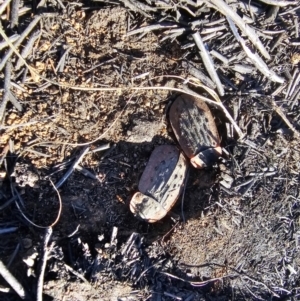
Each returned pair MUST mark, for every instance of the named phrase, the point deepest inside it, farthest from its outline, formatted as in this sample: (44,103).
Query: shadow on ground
(228,235)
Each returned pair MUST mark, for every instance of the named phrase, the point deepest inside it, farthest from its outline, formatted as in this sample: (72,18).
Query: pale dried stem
(3,6)
(12,49)
(227,11)
(72,167)
(40,284)
(255,59)
(280,3)
(208,63)
(12,281)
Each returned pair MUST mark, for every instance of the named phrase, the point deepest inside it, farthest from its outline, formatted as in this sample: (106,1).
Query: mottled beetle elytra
(195,130)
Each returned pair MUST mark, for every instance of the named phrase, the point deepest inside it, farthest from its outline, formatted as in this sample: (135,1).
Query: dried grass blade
(72,167)
(25,33)
(3,6)
(150,28)
(12,281)
(279,2)
(14,13)
(255,59)
(28,48)
(208,63)
(227,11)
(7,76)
(12,38)
(198,74)
(46,251)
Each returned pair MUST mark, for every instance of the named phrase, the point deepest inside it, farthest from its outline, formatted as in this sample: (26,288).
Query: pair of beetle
(163,178)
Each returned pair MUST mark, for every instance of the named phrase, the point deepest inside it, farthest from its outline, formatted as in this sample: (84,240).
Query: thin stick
(289,11)
(14,101)
(208,63)
(12,281)
(3,6)
(294,84)
(198,283)
(183,194)
(61,64)
(28,48)
(279,111)
(46,250)
(72,167)
(61,4)
(150,28)
(255,59)
(8,202)
(70,269)
(12,38)
(198,74)
(7,75)
(8,230)
(165,235)
(295,73)
(14,126)
(14,254)
(281,3)
(25,33)
(227,11)
(219,56)
(134,7)
(172,296)
(14,13)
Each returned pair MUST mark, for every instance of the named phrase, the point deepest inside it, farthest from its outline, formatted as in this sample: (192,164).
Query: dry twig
(12,38)
(138,6)
(14,13)
(72,167)
(12,281)
(255,59)
(198,74)
(199,283)
(4,6)
(43,263)
(208,63)
(152,27)
(279,111)
(28,48)
(281,3)
(25,33)
(7,76)
(227,11)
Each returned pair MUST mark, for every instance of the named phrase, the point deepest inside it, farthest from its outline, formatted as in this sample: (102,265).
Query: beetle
(160,185)
(195,130)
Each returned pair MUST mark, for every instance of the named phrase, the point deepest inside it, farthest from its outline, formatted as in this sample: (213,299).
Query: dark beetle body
(195,130)
(161,184)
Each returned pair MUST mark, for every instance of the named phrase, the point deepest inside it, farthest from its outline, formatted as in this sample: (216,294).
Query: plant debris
(86,89)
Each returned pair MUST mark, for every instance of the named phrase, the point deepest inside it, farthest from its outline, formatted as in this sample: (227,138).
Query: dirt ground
(235,233)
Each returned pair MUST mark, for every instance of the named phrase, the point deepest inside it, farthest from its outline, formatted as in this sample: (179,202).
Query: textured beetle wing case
(193,125)
(160,166)
(161,183)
